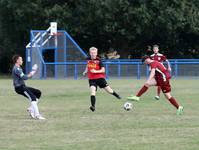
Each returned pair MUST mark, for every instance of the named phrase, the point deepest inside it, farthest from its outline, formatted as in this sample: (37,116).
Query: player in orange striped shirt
(96,76)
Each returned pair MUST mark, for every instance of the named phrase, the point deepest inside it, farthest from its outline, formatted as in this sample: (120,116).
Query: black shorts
(28,92)
(101,82)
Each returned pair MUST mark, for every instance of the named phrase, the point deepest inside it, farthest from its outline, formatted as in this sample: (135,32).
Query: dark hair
(145,57)
(15,58)
(155,46)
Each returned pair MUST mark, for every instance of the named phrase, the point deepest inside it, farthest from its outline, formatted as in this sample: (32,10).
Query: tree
(125,25)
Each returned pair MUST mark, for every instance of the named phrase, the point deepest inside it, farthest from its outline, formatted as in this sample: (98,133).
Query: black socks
(93,100)
(92,107)
(116,95)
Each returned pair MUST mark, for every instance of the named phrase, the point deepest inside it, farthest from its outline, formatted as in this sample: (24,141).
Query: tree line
(128,26)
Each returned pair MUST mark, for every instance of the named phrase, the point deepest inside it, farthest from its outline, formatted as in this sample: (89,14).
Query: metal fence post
(65,55)
(147,71)
(138,71)
(107,71)
(75,73)
(56,67)
(44,71)
(176,68)
(119,70)
(41,69)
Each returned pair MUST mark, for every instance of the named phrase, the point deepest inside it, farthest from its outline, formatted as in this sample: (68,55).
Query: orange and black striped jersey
(97,65)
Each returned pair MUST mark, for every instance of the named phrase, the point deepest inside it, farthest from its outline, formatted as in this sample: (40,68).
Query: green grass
(151,125)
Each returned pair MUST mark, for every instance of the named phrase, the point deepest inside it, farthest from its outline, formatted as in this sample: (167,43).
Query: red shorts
(164,84)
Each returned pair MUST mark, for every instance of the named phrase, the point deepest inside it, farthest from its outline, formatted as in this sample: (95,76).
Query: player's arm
(164,58)
(168,64)
(23,76)
(85,71)
(102,70)
(152,74)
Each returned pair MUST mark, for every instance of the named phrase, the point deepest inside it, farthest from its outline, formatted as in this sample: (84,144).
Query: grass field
(151,125)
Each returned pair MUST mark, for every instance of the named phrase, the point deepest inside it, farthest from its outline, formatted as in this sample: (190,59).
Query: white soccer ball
(128,106)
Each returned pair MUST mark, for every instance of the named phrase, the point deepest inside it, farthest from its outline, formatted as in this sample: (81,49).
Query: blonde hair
(93,48)
(155,46)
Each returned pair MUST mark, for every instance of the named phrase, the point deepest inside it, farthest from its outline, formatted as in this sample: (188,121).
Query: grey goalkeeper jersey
(18,76)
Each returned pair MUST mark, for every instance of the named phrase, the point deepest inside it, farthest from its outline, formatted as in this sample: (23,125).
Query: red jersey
(160,70)
(158,57)
(97,65)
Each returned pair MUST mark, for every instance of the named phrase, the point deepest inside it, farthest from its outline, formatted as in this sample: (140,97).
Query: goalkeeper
(31,93)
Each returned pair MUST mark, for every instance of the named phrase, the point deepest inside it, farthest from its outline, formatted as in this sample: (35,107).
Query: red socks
(142,90)
(173,102)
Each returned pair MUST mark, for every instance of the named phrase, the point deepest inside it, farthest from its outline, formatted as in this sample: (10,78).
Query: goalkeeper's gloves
(34,69)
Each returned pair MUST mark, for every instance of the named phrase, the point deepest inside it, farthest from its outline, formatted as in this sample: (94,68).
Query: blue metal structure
(64,48)
(69,59)
(174,63)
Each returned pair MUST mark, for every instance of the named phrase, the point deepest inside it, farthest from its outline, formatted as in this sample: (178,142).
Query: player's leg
(93,98)
(36,92)
(145,87)
(103,84)
(171,100)
(174,102)
(110,91)
(20,90)
(33,100)
(157,97)
(166,89)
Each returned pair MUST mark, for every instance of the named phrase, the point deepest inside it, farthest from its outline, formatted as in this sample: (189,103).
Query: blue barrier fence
(138,72)
(67,59)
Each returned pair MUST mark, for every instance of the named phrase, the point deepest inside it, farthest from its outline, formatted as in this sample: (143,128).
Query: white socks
(37,100)
(35,108)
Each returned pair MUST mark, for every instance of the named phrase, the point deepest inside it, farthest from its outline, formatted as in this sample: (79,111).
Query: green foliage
(126,25)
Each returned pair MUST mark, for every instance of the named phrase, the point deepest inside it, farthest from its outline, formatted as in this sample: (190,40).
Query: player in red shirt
(159,76)
(96,76)
(160,58)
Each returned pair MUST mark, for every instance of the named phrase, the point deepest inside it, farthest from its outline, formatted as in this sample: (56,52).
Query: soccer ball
(128,106)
